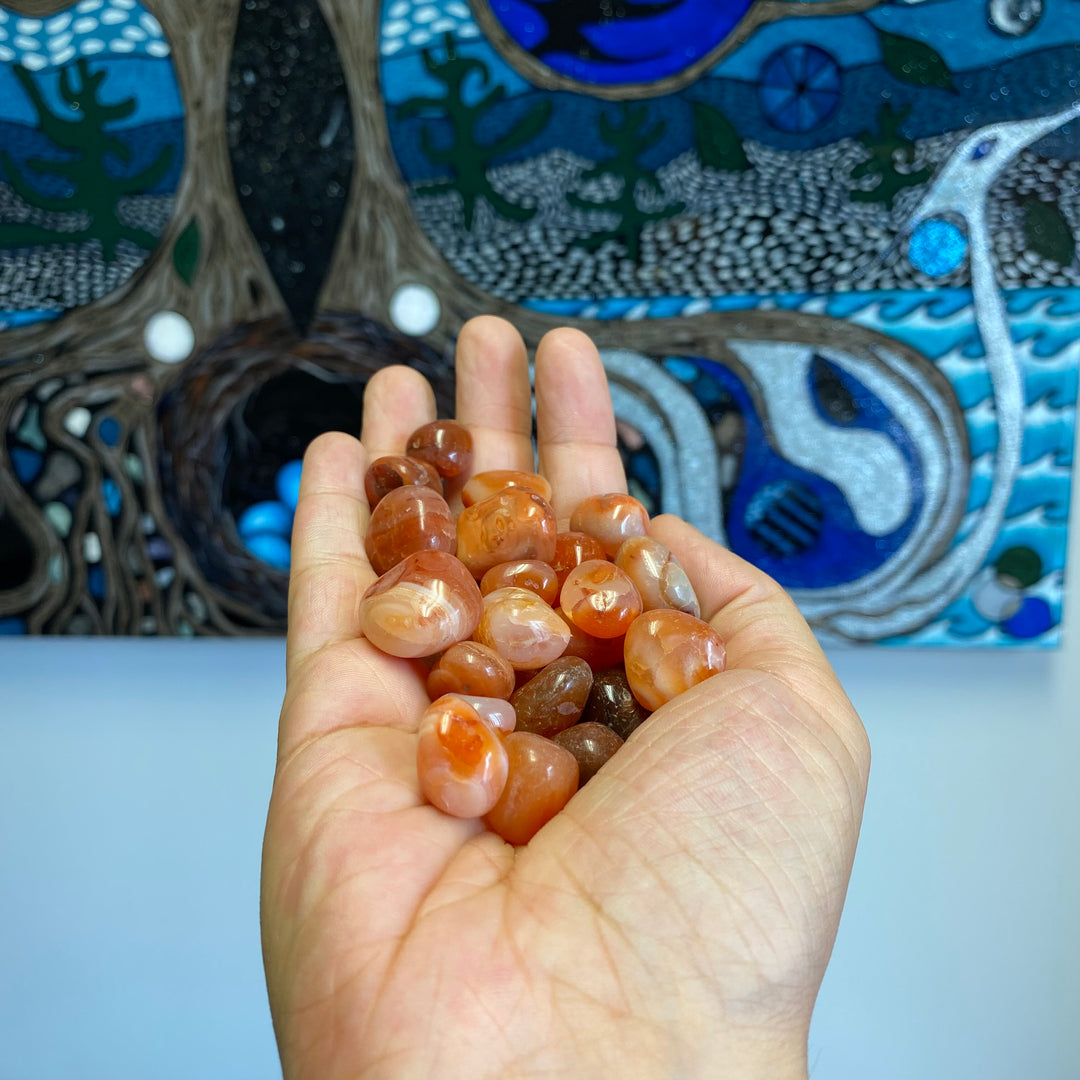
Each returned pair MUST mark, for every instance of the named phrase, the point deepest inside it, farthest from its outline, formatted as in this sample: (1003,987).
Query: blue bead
(937,247)
(95,581)
(113,499)
(12,626)
(270,548)
(287,483)
(27,464)
(109,431)
(265,517)
(1033,618)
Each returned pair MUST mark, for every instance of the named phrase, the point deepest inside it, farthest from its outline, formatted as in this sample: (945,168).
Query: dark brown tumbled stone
(612,703)
(552,699)
(591,744)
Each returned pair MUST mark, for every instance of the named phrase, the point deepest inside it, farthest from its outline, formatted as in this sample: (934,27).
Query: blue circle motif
(799,88)
(937,247)
(1033,619)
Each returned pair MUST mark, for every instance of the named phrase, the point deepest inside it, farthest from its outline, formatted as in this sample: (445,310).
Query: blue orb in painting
(800,87)
(617,42)
(937,247)
(1033,619)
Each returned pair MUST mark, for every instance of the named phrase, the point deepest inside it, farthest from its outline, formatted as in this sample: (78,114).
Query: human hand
(674,920)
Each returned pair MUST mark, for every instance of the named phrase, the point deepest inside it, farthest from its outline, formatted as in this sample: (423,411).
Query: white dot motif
(84,26)
(169,337)
(92,46)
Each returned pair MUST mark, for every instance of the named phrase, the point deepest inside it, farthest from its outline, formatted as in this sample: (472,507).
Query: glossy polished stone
(572,549)
(600,599)
(425,604)
(660,581)
(385,474)
(667,652)
(611,519)
(469,668)
(598,653)
(498,713)
(541,779)
(593,746)
(553,698)
(407,520)
(445,444)
(612,703)
(519,626)
(461,762)
(531,574)
(515,524)
(485,484)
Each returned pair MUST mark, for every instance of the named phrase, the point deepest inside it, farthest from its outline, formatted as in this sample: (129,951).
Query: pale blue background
(133,783)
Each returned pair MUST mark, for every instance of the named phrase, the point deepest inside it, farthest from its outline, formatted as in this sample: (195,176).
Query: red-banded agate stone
(611,519)
(425,604)
(541,779)
(553,698)
(407,520)
(446,444)
(659,579)
(572,549)
(393,471)
(469,668)
(600,599)
(598,653)
(485,484)
(515,524)
(667,652)
(531,574)
(519,626)
(461,761)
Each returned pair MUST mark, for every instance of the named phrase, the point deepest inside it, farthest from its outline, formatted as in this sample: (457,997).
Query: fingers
(330,569)
(397,400)
(574,420)
(494,399)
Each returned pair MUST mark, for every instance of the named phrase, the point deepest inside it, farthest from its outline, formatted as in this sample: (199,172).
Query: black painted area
(290,136)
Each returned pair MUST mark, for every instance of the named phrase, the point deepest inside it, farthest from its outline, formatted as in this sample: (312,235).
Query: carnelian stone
(407,520)
(553,698)
(461,762)
(592,745)
(531,574)
(600,599)
(387,473)
(612,703)
(497,713)
(541,779)
(667,652)
(611,519)
(660,580)
(485,484)
(515,524)
(425,604)
(519,626)
(598,653)
(572,549)
(469,668)
(446,444)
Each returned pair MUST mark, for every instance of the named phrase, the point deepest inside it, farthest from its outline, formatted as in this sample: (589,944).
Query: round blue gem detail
(937,247)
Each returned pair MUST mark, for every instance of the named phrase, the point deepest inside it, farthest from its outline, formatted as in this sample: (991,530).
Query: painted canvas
(827,248)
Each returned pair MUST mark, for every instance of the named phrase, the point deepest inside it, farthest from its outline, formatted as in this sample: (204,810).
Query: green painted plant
(466,157)
(629,140)
(889,149)
(94,191)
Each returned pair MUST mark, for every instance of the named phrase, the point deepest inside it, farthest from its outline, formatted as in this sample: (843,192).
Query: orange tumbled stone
(425,604)
(599,653)
(485,484)
(519,626)
(469,668)
(515,524)
(611,519)
(667,652)
(446,444)
(461,762)
(554,697)
(531,574)
(600,599)
(541,779)
(407,520)
(393,471)
(572,549)
(659,579)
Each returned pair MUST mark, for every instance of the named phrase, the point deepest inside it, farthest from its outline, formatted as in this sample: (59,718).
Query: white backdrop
(133,784)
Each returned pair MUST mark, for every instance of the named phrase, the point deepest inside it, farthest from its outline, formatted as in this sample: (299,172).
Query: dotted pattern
(419,24)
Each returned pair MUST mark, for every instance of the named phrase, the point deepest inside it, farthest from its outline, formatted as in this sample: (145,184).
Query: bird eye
(982,149)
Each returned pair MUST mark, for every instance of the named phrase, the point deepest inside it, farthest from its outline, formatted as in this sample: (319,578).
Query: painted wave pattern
(941,325)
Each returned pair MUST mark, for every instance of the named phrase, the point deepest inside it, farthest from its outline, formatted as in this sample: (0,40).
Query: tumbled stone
(531,574)
(612,703)
(485,484)
(385,474)
(659,579)
(553,698)
(445,444)
(592,745)
(666,652)
(407,520)
(612,519)
(519,626)
(469,668)
(600,599)
(572,549)
(515,524)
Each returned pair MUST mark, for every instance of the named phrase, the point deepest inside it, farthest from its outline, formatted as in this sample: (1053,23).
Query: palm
(679,911)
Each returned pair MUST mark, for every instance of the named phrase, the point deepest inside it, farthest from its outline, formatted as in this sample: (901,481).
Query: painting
(827,249)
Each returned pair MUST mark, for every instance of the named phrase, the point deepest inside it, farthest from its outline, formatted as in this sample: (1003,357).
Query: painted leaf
(186,252)
(914,61)
(1047,232)
(718,143)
